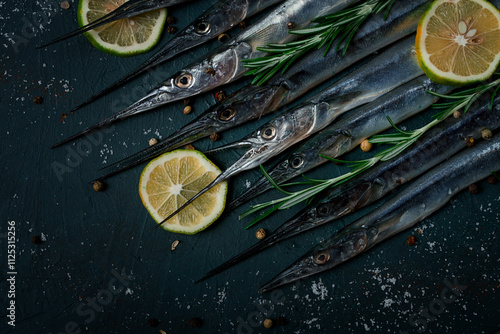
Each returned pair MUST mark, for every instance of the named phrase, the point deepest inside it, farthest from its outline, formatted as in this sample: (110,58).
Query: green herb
(400,140)
(339,27)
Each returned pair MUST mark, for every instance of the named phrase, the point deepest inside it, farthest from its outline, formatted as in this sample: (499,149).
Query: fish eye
(321,258)
(184,80)
(203,27)
(323,210)
(226,114)
(269,133)
(297,161)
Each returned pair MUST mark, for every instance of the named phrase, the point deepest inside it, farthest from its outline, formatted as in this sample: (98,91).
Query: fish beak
(148,102)
(344,245)
(285,231)
(128,9)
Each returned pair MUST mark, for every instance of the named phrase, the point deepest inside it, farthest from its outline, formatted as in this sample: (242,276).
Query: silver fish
(424,196)
(128,9)
(219,18)
(290,128)
(252,102)
(437,145)
(341,137)
(224,64)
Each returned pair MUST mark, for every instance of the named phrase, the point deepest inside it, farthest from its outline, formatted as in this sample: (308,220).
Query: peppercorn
(473,188)
(260,234)
(98,185)
(242,25)
(281,321)
(187,110)
(189,147)
(153,322)
(222,38)
(38,100)
(214,136)
(171,30)
(457,114)
(268,323)
(290,25)
(410,241)
(64,5)
(220,95)
(486,134)
(470,141)
(171,20)
(187,102)
(196,322)
(36,240)
(492,179)
(153,141)
(366,146)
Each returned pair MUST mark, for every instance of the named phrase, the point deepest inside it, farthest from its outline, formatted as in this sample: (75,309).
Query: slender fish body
(219,18)
(437,145)
(128,9)
(252,102)
(224,64)
(424,196)
(341,137)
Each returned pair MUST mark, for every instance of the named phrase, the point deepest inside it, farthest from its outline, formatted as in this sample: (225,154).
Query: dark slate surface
(102,244)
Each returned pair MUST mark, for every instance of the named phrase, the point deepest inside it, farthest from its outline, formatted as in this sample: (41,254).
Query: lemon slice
(125,37)
(458,41)
(170,180)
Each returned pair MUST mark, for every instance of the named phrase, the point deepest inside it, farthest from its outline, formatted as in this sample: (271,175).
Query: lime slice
(126,37)
(170,180)
(458,41)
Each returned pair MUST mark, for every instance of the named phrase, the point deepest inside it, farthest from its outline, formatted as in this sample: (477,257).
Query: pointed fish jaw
(341,247)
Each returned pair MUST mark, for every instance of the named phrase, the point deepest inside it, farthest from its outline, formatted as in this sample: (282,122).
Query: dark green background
(90,235)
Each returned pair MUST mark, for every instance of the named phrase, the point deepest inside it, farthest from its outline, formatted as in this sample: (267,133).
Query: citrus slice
(125,37)
(170,180)
(458,41)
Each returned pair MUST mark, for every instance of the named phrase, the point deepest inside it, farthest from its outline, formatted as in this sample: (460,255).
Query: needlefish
(127,9)
(224,64)
(341,137)
(420,199)
(219,18)
(434,147)
(252,102)
(300,123)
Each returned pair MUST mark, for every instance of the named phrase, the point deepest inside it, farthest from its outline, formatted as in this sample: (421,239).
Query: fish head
(328,254)
(249,103)
(274,137)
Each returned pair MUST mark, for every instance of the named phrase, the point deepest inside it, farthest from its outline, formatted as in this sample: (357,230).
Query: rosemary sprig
(339,27)
(400,140)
